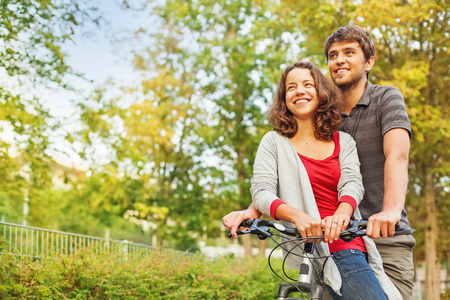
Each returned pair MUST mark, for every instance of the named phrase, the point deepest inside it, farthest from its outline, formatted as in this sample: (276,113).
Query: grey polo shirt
(380,109)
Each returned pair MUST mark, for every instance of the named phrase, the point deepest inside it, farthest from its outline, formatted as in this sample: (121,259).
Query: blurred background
(140,120)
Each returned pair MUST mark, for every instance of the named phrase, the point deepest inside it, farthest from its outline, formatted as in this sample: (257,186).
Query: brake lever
(350,233)
(262,232)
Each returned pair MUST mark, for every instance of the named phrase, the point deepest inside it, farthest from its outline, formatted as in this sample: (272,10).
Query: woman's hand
(333,225)
(309,227)
(306,225)
(235,218)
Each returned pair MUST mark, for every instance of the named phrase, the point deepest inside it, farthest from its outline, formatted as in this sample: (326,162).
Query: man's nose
(340,58)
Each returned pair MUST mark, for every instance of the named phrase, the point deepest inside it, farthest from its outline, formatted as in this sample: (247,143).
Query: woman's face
(301,94)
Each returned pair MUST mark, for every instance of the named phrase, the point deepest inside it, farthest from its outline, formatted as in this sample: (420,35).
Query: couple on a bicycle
(308,174)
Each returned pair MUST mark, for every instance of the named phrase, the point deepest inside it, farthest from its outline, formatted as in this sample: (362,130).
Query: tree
(411,39)
(31,36)
(239,48)
(152,139)
(412,47)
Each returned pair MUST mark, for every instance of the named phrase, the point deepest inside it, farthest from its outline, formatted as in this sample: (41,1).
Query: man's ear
(369,63)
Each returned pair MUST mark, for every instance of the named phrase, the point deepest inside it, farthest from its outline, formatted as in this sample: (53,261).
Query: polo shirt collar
(365,99)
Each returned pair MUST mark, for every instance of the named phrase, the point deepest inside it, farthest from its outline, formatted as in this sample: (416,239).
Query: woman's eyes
(292,87)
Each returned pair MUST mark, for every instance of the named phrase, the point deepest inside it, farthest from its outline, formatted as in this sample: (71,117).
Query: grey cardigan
(278,173)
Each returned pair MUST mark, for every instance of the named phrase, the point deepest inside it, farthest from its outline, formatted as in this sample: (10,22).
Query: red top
(324,177)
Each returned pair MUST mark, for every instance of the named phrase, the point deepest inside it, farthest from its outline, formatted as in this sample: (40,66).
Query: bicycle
(307,281)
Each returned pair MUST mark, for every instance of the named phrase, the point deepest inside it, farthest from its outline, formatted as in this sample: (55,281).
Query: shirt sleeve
(264,183)
(350,183)
(350,200)
(392,112)
(274,207)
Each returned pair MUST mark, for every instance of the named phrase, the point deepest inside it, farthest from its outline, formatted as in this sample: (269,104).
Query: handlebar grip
(247,223)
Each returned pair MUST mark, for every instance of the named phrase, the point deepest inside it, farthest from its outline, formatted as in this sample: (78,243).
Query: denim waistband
(347,253)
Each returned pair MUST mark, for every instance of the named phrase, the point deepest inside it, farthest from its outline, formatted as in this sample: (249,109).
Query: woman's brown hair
(327,116)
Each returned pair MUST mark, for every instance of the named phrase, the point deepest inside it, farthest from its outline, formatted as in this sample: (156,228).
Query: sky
(99,57)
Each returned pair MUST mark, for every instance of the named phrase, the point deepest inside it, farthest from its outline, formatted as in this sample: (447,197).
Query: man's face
(347,64)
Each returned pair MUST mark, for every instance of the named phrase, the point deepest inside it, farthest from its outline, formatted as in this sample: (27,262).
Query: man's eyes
(348,52)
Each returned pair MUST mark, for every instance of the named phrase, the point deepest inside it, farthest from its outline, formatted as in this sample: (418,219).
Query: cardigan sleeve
(264,183)
(350,182)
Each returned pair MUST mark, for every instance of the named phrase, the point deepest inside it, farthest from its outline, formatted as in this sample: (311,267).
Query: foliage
(412,47)
(161,274)
(174,152)
(153,170)
(189,130)
(31,35)
(238,49)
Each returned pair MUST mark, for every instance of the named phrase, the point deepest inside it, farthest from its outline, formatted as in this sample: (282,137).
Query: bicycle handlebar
(261,228)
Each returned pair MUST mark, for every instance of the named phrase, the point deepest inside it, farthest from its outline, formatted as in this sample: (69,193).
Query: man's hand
(235,218)
(383,224)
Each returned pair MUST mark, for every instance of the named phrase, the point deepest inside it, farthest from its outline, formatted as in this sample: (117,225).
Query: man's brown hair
(352,33)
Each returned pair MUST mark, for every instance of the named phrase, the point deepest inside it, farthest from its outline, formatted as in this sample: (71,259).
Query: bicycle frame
(306,281)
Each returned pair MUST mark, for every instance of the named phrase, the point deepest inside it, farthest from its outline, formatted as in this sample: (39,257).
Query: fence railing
(39,242)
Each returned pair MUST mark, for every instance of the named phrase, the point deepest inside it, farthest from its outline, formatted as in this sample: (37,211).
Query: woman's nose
(300,89)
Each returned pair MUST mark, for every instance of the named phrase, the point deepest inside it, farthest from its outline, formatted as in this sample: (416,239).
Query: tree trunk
(262,245)
(246,238)
(448,267)
(432,266)
(247,244)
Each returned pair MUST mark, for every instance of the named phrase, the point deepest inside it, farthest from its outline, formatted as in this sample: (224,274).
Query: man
(375,116)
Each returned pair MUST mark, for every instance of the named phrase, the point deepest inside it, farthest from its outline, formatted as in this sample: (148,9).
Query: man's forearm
(396,150)
(395,183)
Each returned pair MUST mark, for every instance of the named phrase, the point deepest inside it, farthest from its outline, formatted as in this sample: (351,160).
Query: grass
(160,275)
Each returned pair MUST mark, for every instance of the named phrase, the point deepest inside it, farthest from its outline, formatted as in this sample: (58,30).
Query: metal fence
(38,242)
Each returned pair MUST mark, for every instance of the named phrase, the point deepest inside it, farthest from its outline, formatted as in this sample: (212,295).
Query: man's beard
(349,83)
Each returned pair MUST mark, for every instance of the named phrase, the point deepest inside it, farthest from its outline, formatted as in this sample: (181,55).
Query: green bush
(159,275)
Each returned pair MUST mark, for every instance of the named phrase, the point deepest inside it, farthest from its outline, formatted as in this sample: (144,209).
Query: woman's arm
(235,218)
(333,225)
(305,224)
(263,189)
(350,182)
(264,183)
(350,189)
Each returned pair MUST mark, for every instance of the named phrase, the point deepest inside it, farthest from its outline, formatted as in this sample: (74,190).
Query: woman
(307,174)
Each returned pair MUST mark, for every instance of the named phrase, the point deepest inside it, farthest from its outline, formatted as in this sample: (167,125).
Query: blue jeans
(358,280)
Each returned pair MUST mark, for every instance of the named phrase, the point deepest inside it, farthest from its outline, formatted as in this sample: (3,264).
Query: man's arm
(396,150)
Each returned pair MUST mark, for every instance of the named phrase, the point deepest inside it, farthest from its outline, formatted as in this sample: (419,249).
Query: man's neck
(354,94)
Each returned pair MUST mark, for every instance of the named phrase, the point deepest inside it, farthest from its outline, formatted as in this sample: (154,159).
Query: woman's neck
(307,144)
(305,132)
